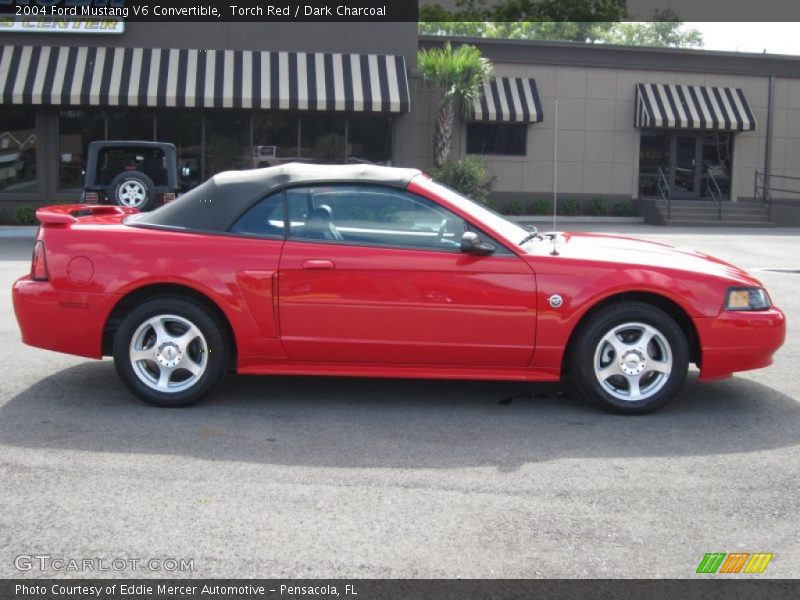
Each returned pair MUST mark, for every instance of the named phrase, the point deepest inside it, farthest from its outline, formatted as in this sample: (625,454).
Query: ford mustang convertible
(379,272)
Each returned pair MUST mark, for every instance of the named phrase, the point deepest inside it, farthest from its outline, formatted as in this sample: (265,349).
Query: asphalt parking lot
(293,477)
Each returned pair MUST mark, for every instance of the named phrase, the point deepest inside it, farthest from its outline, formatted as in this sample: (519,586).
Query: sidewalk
(14,231)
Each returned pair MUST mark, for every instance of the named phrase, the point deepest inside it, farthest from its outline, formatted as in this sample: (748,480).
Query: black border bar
(707,587)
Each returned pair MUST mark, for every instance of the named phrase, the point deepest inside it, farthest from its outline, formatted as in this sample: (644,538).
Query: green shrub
(540,206)
(624,209)
(568,207)
(468,175)
(598,207)
(513,207)
(25,214)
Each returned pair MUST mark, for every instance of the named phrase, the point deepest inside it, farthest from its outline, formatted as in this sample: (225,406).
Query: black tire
(592,358)
(208,350)
(124,183)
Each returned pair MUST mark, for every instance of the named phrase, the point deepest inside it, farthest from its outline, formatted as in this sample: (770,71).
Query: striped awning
(692,107)
(512,99)
(84,76)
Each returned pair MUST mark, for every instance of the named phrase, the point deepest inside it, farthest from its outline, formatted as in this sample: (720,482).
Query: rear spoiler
(65,214)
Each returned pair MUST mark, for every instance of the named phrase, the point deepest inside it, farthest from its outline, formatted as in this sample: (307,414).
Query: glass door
(685,170)
(695,165)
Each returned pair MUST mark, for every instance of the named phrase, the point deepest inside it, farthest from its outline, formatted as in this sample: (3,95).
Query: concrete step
(725,208)
(713,216)
(707,214)
(714,211)
(714,223)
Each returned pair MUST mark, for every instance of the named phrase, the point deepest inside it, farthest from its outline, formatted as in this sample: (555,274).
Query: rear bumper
(739,341)
(69,322)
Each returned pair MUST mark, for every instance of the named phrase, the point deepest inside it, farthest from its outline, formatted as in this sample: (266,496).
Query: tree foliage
(558,20)
(458,74)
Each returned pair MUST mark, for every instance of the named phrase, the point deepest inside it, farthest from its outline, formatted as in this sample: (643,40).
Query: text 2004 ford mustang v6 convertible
(375,271)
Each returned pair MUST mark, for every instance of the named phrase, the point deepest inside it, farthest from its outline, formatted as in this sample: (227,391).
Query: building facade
(229,96)
(633,123)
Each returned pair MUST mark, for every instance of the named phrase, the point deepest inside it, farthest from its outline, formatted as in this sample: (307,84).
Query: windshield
(508,229)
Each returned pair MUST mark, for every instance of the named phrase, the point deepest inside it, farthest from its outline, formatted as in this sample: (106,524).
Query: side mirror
(471,244)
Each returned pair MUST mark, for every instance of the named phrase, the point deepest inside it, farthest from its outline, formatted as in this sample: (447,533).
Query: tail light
(168,198)
(39,263)
(91,198)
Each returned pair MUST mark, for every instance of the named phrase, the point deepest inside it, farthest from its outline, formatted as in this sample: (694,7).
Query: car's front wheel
(170,352)
(630,358)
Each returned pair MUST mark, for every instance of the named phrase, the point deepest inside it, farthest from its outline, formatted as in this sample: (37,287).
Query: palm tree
(459,75)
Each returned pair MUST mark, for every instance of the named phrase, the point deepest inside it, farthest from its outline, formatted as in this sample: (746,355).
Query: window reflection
(131,125)
(322,137)
(76,129)
(17,150)
(227,142)
(369,138)
(184,129)
(274,138)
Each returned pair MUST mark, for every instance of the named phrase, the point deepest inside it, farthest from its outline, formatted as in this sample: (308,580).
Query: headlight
(747,299)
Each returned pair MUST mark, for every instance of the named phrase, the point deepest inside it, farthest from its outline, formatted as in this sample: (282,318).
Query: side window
(372,215)
(264,219)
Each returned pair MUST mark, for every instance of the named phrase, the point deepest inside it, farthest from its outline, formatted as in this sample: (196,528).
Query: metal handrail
(664,191)
(764,193)
(716,193)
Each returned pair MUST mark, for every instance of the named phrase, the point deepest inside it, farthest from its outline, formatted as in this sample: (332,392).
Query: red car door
(380,278)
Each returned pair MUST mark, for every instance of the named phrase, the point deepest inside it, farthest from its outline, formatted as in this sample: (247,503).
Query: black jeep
(142,175)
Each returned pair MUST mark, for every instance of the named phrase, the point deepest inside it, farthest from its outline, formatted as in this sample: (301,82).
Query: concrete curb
(11,231)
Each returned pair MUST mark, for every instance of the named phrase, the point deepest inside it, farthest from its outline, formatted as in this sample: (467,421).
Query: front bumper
(69,322)
(739,341)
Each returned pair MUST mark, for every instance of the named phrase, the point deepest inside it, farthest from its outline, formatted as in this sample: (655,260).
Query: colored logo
(735,562)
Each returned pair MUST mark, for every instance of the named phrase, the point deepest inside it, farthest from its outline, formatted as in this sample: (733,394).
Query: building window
(369,138)
(184,129)
(507,139)
(131,125)
(275,138)
(76,129)
(17,150)
(322,137)
(228,143)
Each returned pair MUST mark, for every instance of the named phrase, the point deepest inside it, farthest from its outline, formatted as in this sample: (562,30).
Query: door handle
(318,265)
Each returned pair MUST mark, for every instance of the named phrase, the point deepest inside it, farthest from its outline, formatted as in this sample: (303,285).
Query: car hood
(635,252)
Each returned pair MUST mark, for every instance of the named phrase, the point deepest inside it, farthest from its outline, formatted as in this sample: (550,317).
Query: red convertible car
(379,272)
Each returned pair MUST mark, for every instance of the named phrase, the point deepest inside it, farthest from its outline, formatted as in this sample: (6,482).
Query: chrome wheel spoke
(138,355)
(609,371)
(187,338)
(193,367)
(648,333)
(634,391)
(161,331)
(164,377)
(660,366)
(617,344)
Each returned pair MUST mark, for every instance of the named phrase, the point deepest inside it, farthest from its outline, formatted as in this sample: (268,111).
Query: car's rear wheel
(630,358)
(170,352)
(134,189)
